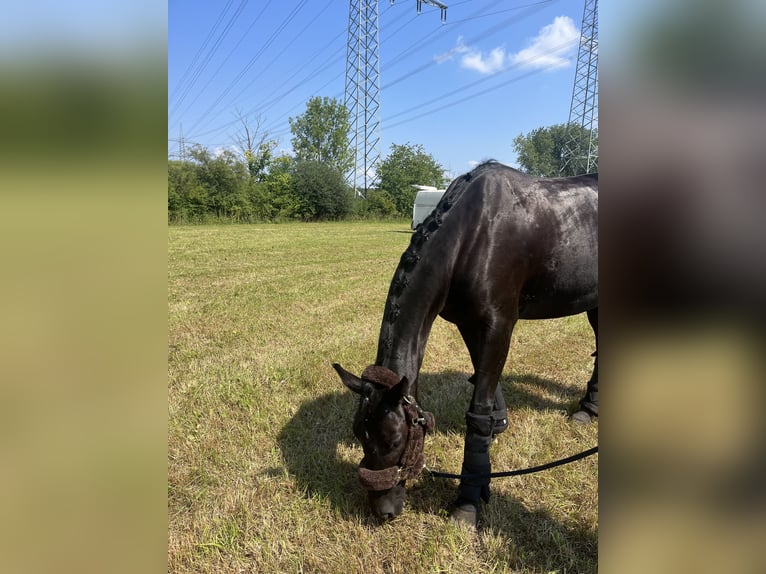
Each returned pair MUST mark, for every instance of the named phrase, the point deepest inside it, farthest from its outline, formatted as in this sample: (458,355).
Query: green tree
(225,178)
(187,198)
(320,134)
(539,152)
(322,191)
(283,204)
(407,165)
(380,203)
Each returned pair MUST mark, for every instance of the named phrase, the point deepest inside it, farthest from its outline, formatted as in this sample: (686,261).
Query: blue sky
(463,89)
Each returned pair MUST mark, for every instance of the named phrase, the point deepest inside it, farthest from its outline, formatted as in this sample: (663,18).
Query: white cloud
(551,49)
(460,48)
(494,62)
(217,152)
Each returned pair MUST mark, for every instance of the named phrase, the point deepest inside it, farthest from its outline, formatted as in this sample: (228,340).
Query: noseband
(413,460)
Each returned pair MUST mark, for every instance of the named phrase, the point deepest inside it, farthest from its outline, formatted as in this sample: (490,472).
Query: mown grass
(261,472)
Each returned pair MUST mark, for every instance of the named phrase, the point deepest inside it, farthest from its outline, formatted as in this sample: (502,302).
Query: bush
(322,192)
(380,204)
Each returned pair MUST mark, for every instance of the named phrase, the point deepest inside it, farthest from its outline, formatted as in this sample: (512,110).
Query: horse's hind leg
(589,402)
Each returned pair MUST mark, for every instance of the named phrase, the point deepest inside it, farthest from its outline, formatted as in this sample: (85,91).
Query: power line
(210,54)
(262,108)
(431,106)
(310,23)
(326,64)
(537,6)
(442,107)
(225,59)
(423,40)
(291,16)
(201,49)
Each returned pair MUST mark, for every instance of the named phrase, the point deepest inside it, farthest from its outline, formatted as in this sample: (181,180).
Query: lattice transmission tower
(580,153)
(362,95)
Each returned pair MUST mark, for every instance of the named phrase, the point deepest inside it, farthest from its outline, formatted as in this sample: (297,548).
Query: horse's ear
(402,388)
(350,380)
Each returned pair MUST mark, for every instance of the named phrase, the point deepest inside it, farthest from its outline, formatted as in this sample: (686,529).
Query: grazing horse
(500,246)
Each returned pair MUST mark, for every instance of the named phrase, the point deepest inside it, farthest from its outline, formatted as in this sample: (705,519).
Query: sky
(463,89)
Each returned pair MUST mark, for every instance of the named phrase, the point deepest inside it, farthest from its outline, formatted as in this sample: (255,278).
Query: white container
(425,201)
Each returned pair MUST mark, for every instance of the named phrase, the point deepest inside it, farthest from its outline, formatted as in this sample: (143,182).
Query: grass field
(261,470)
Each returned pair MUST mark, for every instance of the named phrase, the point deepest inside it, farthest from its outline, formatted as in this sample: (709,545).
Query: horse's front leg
(480,424)
(478,437)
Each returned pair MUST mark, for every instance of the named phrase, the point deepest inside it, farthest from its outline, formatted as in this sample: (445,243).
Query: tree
(405,166)
(225,179)
(539,152)
(254,144)
(320,134)
(187,198)
(322,191)
(282,201)
(380,203)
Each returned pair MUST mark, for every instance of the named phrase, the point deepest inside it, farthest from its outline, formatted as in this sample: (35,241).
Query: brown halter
(412,461)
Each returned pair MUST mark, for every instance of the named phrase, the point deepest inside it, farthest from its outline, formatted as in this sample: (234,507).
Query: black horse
(500,246)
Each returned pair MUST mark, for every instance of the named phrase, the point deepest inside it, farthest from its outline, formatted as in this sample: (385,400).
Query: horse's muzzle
(388,504)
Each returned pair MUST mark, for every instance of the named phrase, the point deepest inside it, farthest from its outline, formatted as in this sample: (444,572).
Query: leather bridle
(412,461)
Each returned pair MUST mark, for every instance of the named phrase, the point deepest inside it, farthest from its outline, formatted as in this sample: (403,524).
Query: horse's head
(390,425)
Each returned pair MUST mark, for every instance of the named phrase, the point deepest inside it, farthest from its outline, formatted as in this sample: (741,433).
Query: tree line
(253,184)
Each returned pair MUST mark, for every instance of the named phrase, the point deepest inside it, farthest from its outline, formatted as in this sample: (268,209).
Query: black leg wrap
(499,412)
(589,402)
(476,459)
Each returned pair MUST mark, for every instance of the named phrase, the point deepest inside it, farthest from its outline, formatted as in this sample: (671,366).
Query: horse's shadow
(310,443)
(313,440)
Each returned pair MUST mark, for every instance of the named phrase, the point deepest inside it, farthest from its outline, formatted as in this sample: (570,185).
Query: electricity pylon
(580,153)
(363,89)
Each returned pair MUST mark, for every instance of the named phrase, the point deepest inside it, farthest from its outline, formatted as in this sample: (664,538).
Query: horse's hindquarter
(563,252)
(529,246)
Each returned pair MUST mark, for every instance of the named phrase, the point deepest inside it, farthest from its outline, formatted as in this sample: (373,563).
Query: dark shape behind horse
(500,246)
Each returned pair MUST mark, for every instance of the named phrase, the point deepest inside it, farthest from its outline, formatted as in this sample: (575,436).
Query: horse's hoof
(581,417)
(466,514)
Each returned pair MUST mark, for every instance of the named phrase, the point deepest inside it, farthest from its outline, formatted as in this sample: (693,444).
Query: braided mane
(411,255)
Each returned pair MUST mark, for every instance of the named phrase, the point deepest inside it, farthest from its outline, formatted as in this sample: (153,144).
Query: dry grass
(261,455)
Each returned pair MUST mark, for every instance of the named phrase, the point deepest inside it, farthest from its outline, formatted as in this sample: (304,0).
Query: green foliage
(259,159)
(225,178)
(539,152)
(222,187)
(283,204)
(187,200)
(380,204)
(250,188)
(321,134)
(321,190)
(405,166)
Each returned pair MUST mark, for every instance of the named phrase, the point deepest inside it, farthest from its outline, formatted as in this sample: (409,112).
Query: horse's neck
(411,308)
